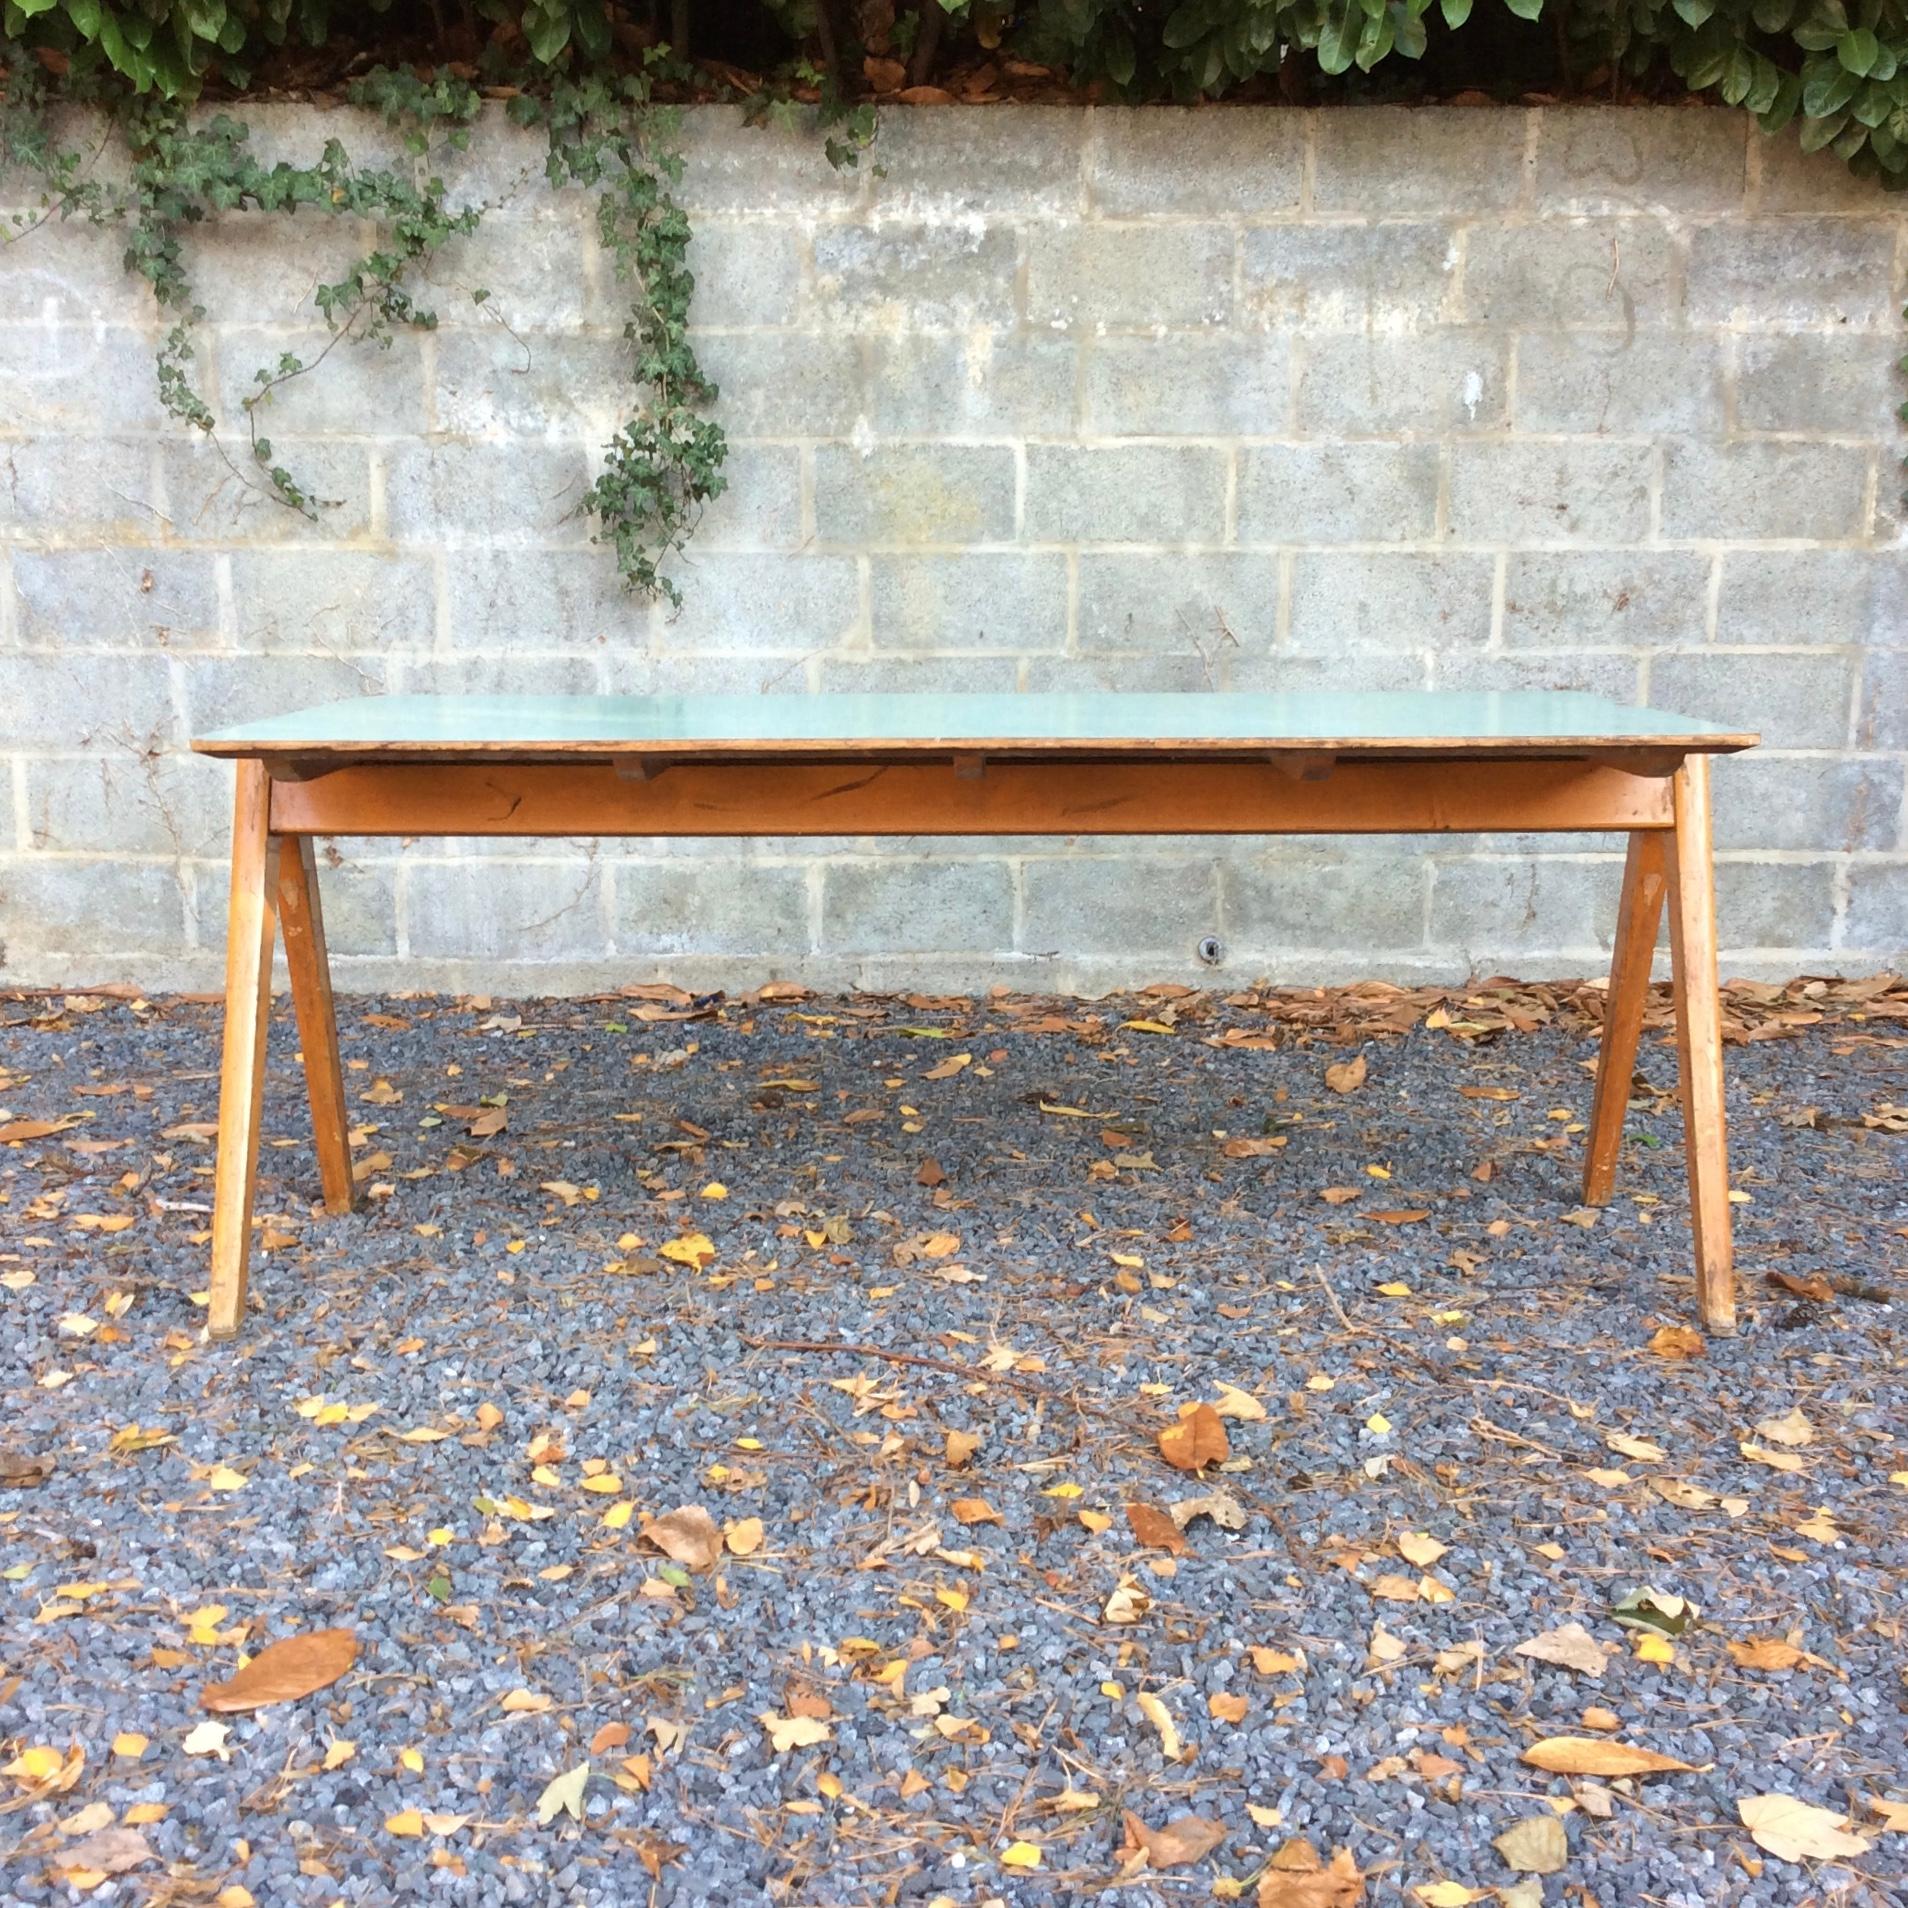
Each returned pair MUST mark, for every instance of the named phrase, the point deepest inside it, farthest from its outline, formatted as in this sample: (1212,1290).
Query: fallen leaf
(794,1732)
(960,1446)
(527,1702)
(561,1793)
(693,1249)
(1792,1429)
(1639,1448)
(744,1538)
(1222,1507)
(1186,1838)
(1336,1884)
(284,1671)
(1232,1402)
(689,1535)
(1017,1854)
(974,1510)
(1196,1440)
(108,1851)
(1571,1646)
(1596,1756)
(1127,1604)
(1155,1528)
(1535,1846)
(1160,1717)
(1421,1550)
(1347,1076)
(1767,1653)
(1676,1341)
(1448,1894)
(208,1740)
(1795,1831)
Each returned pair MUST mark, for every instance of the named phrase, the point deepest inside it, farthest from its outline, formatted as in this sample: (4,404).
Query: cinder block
(1761,489)
(336,601)
(1211,162)
(1094,276)
(1157,672)
(502,171)
(1834,804)
(1817,183)
(975,384)
(1346,600)
(486,493)
(1325,894)
(81,486)
(359,390)
(732,167)
(119,802)
(1213,604)
(1418,159)
(219,692)
(783,383)
(1782,598)
(947,494)
(1615,273)
(1596,672)
(1882,720)
(1285,673)
(1773,904)
(1620,383)
(74,699)
(1586,491)
(294,133)
(1793,271)
(516,672)
(550,599)
(746,273)
(532,275)
(1835,386)
(1795,701)
(761,508)
(535,385)
(1642,159)
(1390,277)
(261,268)
(930,164)
(1616,599)
(1143,493)
(1447,381)
(878,906)
(216,493)
(919,675)
(359,897)
(792,604)
(79,377)
(128,597)
(1011,603)
(1877,918)
(916,277)
(1084,902)
(521,910)
(1337,493)
(72,273)
(1495,907)
(743,906)
(1188,386)
(90,914)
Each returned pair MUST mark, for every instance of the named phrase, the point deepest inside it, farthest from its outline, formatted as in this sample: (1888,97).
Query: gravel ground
(1036,1228)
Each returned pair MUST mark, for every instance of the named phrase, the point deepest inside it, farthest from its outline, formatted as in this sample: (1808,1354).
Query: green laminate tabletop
(1442,722)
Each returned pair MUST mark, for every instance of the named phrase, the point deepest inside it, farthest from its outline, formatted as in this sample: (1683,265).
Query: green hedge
(1839,67)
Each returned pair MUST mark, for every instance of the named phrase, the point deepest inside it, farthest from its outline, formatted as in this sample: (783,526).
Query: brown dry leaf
(1222,1507)
(1186,1838)
(1155,1528)
(1271,1662)
(1338,1195)
(794,1732)
(1232,1402)
(1535,1846)
(612,1735)
(1160,1717)
(1595,1756)
(1767,1653)
(974,1510)
(1570,1645)
(961,1445)
(1795,1831)
(1347,1076)
(1127,1604)
(1225,1708)
(744,1538)
(284,1671)
(1198,1439)
(1677,1341)
(1417,1548)
(109,1851)
(1792,1428)
(1336,1884)
(689,1535)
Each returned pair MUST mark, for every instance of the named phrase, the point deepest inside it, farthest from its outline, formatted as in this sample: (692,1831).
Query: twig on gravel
(974,1374)
(1324,1285)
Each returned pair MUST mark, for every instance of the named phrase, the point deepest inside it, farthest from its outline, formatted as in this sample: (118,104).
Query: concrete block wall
(1250,398)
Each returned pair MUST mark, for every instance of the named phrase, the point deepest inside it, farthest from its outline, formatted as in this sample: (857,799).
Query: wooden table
(1386,763)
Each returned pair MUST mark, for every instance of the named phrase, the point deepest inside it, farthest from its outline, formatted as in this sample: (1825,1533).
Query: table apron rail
(1170,797)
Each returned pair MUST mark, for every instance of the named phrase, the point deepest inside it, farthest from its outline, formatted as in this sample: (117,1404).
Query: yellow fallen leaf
(1794,1831)
(744,1538)
(405,1822)
(130,1744)
(561,1793)
(1020,1855)
(1160,1717)
(224,1478)
(693,1249)
(794,1732)
(1596,1756)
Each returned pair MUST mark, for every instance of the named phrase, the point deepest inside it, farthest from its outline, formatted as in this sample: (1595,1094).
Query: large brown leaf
(1184,1839)
(689,1535)
(1338,1884)
(1594,1756)
(1198,1439)
(284,1671)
